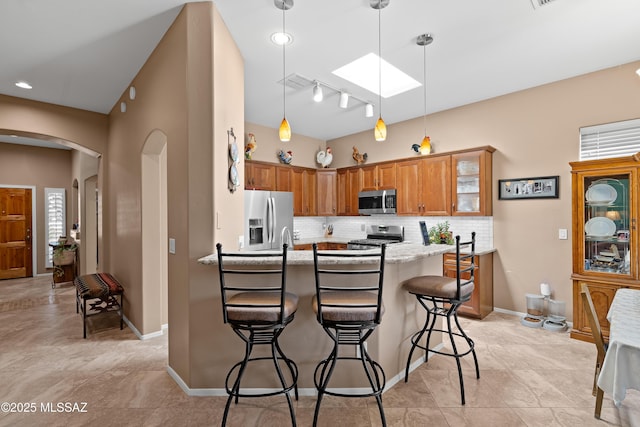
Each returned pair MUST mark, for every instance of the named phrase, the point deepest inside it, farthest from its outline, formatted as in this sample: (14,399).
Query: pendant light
(380,131)
(424,40)
(285,130)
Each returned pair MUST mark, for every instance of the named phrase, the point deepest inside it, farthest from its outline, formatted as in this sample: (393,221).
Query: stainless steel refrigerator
(268,219)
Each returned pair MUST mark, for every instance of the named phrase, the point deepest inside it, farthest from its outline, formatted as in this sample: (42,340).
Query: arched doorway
(154,233)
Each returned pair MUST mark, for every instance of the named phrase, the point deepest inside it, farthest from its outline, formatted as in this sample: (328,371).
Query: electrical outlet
(562,234)
(240,242)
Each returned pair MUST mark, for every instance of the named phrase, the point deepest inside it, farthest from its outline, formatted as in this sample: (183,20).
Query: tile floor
(529,377)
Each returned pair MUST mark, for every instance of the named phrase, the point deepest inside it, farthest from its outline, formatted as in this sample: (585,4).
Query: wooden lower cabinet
(602,296)
(323,246)
(481,302)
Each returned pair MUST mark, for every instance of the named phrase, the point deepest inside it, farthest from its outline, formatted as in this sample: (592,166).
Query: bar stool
(348,306)
(258,308)
(442,296)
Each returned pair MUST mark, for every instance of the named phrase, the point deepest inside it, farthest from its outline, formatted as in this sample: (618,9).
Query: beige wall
(82,130)
(83,166)
(536,133)
(23,165)
(304,148)
(175,95)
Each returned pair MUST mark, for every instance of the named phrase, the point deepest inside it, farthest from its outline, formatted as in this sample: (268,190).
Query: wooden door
(369,179)
(386,176)
(283,178)
(436,186)
(15,233)
(326,192)
(348,187)
(409,199)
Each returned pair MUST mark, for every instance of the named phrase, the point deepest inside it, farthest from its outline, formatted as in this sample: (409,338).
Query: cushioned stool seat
(437,286)
(103,290)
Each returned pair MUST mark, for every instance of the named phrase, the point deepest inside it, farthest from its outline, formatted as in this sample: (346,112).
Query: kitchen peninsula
(306,343)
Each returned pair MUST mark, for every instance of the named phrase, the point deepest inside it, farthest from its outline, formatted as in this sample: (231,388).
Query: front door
(15,233)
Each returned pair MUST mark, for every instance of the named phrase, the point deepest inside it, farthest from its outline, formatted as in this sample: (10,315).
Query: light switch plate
(172,246)
(562,234)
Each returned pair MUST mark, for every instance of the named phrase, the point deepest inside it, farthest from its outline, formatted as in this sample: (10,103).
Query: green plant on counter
(440,233)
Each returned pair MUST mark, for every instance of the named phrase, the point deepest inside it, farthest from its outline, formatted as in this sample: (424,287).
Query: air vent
(297,82)
(539,3)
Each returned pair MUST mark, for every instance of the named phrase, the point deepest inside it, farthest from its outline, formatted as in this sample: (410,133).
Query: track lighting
(368,110)
(317,92)
(344,100)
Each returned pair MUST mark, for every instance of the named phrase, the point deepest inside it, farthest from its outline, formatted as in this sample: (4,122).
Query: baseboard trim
(142,337)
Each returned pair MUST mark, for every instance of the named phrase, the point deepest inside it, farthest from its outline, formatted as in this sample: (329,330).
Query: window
(54,227)
(610,140)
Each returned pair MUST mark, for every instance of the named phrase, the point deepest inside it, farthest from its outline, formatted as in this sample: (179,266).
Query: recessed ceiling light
(24,85)
(359,72)
(281,38)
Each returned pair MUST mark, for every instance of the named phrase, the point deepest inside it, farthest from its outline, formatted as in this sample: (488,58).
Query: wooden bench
(96,294)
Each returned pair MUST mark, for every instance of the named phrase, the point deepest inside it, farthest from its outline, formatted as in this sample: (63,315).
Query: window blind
(610,140)
(54,202)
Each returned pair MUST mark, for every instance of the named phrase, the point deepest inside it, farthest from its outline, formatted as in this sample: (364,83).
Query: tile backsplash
(353,227)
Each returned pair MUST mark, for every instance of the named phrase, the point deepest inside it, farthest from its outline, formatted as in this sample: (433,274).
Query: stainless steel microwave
(377,202)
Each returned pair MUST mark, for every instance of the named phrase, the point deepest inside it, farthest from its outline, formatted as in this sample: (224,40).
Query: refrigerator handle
(270,220)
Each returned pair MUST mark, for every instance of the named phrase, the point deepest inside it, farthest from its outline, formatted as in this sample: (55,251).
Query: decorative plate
(233,152)
(233,176)
(600,226)
(601,194)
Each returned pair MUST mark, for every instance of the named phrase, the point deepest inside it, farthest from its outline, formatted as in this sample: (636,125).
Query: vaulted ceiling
(84,53)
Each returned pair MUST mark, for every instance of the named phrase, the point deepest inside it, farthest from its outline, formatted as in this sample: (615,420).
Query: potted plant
(64,253)
(440,234)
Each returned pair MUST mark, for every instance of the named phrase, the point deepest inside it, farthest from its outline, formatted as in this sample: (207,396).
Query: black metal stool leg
(456,356)
(325,376)
(282,381)
(470,343)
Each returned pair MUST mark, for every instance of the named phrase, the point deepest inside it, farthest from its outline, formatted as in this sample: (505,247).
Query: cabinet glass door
(467,183)
(607,226)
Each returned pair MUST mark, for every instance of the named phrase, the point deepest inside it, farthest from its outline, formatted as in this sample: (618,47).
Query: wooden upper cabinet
(436,185)
(327,192)
(303,185)
(471,182)
(348,183)
(424,186)
(380,176)
(409,194)
(259,176)
(283,178)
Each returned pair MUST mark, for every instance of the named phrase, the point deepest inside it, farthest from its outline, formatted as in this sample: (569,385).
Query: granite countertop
(397,253)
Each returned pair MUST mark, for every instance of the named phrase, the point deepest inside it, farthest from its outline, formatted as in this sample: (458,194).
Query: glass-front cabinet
(607,224)
(471,179)
(605,242)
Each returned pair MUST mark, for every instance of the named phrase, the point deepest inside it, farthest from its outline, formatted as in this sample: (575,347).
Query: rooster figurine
(324,157)
(250,147)
(359,158)
(285,156)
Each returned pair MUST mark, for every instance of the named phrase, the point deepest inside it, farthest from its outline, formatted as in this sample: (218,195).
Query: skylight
(364,73)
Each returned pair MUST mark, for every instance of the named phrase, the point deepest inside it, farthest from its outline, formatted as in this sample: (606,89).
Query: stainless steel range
(377,235)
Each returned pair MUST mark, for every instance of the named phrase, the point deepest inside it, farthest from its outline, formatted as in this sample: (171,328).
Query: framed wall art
(545,187)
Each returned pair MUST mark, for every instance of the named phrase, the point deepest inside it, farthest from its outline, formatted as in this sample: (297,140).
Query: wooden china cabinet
(605,243)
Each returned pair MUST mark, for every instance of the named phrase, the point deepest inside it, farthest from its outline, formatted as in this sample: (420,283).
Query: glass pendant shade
(425,147)
(380,131)
(285,131)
